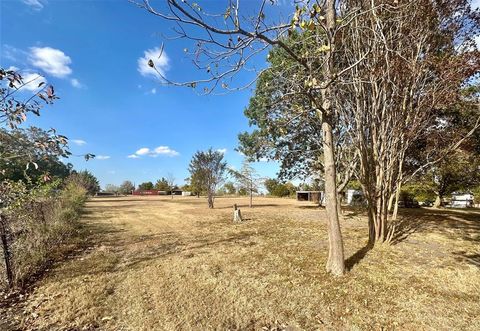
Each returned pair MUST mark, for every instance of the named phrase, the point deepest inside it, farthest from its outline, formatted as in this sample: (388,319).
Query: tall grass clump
(37,226)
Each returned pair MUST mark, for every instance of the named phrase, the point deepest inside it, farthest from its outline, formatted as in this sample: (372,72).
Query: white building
(461,200)
(354,197)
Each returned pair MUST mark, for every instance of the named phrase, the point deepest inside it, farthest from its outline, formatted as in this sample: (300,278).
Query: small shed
(315,196)
(354,197)
(461,200)
(186,194)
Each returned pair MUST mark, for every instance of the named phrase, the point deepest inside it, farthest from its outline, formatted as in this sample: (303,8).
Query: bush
(38,224)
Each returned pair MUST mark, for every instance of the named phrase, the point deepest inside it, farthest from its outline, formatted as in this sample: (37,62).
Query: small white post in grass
(237,215)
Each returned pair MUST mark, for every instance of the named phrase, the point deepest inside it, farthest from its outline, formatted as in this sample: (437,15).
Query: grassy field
(153,263)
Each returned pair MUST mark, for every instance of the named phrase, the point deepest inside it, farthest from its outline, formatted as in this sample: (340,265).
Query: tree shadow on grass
(315,207)
(246,206)
(357,257)
(457,224)
(463,256)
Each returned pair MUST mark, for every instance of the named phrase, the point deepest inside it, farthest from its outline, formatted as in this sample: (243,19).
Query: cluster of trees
(125,188)
(363,89)
(40,196)
(279,189)
(166,184)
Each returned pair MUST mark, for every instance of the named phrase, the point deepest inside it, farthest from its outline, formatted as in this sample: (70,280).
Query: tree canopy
(207,172)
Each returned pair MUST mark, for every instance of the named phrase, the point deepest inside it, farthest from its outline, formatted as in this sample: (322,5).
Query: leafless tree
(247,179)
(171,182)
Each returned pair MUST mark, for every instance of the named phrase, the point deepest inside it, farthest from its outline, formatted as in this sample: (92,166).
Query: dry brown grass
(162,264)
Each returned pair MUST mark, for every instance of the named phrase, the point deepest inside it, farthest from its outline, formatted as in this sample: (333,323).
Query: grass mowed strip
(158,263)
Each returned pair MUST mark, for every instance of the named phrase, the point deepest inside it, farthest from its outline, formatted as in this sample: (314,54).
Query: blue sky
(92,51)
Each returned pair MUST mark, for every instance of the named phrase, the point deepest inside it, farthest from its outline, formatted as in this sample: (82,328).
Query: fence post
(6,250)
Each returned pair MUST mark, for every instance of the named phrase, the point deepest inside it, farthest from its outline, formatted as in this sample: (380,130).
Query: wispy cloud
(143,151)
(160,60)
(133,156)
(50,60)
(165,150)
(35,4)
(158,151)
(76,83)
(102,157)
(222,150)
(13,54)
(79,142)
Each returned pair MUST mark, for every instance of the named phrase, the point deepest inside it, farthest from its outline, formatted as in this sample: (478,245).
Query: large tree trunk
(335,262)
(251,193)
(6,251)
(438,200)
(210,200)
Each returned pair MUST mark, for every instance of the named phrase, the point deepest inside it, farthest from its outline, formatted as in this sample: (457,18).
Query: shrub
(38,223)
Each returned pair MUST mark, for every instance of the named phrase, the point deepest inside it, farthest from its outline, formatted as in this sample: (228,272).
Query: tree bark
(336,261)
(438,201)
(210,200)
(6,251)
(251,198)
(371,224)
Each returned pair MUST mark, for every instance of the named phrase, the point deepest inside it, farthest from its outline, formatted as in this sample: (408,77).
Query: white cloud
(79,142)
(159,151)
(76,83)
(222,150)
(31,80)
(143,151)
(50,60)
(165,150)
(153,91)
(35,4)
(159,58)
(133,156)
(102,157)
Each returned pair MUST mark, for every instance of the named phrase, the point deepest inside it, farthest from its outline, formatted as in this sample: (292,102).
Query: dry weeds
(162,264)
